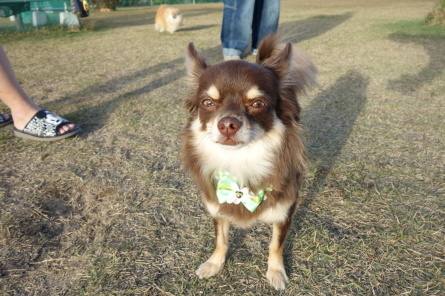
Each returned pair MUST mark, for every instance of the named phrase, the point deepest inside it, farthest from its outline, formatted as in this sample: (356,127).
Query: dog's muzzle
(228,126)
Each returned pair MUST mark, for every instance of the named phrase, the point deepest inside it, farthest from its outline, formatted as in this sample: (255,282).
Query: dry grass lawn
(112,212)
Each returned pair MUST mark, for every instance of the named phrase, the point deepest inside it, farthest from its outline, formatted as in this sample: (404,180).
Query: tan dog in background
(168,19)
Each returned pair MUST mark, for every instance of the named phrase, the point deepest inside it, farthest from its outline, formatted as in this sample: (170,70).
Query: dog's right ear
(195,64)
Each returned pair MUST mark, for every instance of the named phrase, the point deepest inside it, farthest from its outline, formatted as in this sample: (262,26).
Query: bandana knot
(228,191)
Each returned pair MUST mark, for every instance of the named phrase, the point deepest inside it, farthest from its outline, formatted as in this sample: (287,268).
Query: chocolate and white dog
(243,145)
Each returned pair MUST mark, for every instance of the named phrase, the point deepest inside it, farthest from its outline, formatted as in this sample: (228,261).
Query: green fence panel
(9,8)
(52,10)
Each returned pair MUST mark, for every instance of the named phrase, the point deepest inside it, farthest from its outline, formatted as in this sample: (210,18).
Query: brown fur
(281,73)
(168,19)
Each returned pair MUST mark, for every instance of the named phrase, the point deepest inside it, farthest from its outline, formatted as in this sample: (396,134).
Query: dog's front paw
(208,269)
(277,278)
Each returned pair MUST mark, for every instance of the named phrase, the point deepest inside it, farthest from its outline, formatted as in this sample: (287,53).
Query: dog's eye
(207,103)
(258,104)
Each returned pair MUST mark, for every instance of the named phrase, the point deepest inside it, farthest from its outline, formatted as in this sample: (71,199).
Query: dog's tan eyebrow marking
(254,92)
(213,92)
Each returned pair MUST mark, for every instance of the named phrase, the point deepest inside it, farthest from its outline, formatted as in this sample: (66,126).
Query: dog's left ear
(195,64)
(275,55)
(292,67)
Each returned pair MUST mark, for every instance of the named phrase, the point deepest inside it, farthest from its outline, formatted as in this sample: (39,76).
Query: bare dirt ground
(112,212)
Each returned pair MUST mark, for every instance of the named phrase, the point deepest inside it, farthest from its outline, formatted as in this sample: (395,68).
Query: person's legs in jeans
(265,21)
(236,26)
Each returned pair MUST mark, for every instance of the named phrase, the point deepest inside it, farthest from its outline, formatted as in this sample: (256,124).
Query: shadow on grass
(298,31)
(92,118)
(333,113)
(197,28)
(329,120)
(434,46)
(110,20)
(199,11)
(330,117)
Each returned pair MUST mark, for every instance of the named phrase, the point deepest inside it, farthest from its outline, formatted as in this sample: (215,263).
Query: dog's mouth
(229,142)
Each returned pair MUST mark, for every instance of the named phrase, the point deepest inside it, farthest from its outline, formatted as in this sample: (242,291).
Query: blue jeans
(241,17)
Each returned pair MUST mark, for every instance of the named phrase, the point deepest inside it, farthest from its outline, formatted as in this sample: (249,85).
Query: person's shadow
(298,31)
(329,119)
(95,117)
(92,118)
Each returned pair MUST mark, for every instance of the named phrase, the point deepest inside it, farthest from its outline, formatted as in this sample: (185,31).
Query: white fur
(213,209)
(246,133)
(213,92)
(254,92)
(270,215)
(173,23)
(275,214)
(252,160)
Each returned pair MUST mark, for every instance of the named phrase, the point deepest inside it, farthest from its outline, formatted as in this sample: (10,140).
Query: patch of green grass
(414,28)
(8,30)
(48,33)
(437,16)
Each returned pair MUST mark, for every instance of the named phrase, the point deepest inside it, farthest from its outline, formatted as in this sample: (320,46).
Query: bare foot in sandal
(22,118)
(45,126)
(29,120)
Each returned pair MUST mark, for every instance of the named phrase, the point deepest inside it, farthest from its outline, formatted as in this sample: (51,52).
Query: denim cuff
(231,52)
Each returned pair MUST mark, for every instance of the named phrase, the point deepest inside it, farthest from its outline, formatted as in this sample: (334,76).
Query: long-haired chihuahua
(243,145)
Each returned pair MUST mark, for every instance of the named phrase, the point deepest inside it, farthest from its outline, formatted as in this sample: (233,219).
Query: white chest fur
(252,161)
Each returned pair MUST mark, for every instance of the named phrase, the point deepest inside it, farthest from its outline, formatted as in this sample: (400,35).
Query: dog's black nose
(228,126)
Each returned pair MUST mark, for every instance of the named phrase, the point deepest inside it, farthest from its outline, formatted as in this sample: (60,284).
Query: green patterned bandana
(228,191)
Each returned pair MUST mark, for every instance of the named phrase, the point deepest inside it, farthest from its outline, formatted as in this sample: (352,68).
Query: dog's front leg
(276,274)
(216,261)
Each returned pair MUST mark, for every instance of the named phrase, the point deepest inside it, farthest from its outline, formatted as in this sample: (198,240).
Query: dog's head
(236,101)
(174,14)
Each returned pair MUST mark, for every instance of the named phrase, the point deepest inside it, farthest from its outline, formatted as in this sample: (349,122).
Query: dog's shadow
(329,121)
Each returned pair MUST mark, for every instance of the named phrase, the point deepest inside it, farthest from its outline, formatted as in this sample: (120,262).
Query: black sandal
(44,126)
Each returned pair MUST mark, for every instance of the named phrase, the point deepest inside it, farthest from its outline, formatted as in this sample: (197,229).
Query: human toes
(66,128)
